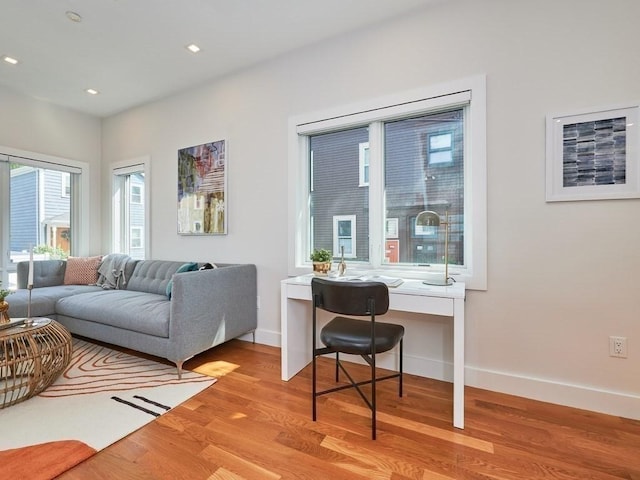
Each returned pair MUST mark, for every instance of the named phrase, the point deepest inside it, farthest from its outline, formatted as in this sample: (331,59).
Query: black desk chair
(352,335)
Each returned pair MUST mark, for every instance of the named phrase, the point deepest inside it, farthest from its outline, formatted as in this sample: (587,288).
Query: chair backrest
(350,297)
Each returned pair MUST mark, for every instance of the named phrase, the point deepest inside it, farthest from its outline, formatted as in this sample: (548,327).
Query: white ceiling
(133,51)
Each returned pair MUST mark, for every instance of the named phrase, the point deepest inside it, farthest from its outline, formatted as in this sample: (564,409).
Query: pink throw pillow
(82,270)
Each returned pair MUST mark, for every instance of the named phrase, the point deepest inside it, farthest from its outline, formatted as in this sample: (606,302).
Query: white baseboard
(264,337)
(578,396)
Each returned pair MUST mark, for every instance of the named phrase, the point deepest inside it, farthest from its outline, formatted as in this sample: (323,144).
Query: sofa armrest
(209,307)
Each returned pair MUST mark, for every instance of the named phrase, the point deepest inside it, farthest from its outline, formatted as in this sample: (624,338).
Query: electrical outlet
(618,347)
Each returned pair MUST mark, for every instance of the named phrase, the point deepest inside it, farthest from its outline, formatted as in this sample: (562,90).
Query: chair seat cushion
(349,335)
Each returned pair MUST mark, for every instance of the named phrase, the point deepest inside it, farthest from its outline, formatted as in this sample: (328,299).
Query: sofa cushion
(153,276)
(137,311)
(43,300)
(82,270)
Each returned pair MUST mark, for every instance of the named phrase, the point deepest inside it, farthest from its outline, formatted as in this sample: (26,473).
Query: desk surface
(408,287)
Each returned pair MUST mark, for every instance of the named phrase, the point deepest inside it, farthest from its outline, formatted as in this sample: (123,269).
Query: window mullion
(376,193)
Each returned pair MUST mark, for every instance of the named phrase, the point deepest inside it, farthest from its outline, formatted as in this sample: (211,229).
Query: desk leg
(458,363)
(296,335)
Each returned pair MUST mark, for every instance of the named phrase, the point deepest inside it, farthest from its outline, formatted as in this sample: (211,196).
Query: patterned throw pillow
(82,270)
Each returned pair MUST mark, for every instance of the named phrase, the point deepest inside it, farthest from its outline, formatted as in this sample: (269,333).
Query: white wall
(34,126)
(562,276)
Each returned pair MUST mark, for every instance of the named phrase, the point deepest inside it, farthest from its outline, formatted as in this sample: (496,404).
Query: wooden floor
(251,425)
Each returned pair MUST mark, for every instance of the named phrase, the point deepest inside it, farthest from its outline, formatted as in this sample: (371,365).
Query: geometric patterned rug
(103,396)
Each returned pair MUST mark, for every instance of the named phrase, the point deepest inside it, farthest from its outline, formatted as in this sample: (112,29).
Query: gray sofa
(206,307)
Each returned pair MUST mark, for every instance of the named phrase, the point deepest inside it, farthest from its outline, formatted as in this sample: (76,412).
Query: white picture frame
(593,154)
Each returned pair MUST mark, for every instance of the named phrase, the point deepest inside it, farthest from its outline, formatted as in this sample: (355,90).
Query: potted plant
(4,306)
(321,259)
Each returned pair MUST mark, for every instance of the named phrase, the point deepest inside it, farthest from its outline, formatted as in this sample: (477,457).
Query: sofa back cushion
(46,273)
(152,276)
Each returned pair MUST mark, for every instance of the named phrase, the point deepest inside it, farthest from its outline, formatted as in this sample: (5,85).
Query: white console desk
(411,296)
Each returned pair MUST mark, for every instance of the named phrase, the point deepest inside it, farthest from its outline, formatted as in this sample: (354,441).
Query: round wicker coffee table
(31,358)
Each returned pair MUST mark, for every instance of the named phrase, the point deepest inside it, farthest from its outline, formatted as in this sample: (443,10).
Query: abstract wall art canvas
(202,189)
(593,155)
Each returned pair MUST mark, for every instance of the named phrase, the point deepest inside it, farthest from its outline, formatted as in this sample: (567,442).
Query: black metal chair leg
(373,396)
(313,388)
(400,377)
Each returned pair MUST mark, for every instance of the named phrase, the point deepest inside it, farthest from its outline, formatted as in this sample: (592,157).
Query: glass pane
(40,215)
(347,244)
(344,228)
(414,184)
(335,189)
(133,217)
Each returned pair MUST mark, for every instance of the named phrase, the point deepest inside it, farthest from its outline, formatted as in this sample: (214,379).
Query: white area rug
(103,396)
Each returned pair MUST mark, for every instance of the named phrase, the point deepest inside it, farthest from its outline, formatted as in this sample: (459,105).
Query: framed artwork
(593,155)
(202,189)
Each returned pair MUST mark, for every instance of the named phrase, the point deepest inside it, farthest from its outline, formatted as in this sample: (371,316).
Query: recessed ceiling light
(92,91)
(193,48)
(10,60)
(73,16)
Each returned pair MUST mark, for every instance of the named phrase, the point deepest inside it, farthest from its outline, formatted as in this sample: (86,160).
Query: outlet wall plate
(618,347)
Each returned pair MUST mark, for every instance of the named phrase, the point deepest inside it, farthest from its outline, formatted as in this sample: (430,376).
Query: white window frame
(336,238)
(120,237)
(468,91)
(363,164)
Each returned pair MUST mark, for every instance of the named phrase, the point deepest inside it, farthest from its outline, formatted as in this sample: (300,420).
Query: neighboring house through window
(382,165)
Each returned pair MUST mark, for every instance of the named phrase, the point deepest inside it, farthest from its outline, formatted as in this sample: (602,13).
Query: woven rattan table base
(31,358)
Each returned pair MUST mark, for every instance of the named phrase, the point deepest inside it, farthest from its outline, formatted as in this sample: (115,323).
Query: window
(130,208)
(66,184)
(335,194)
(364,163)
(136,193)
(344,236)
(42,195)
(383,162)
(136,237)
(440,148)
(391,230)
